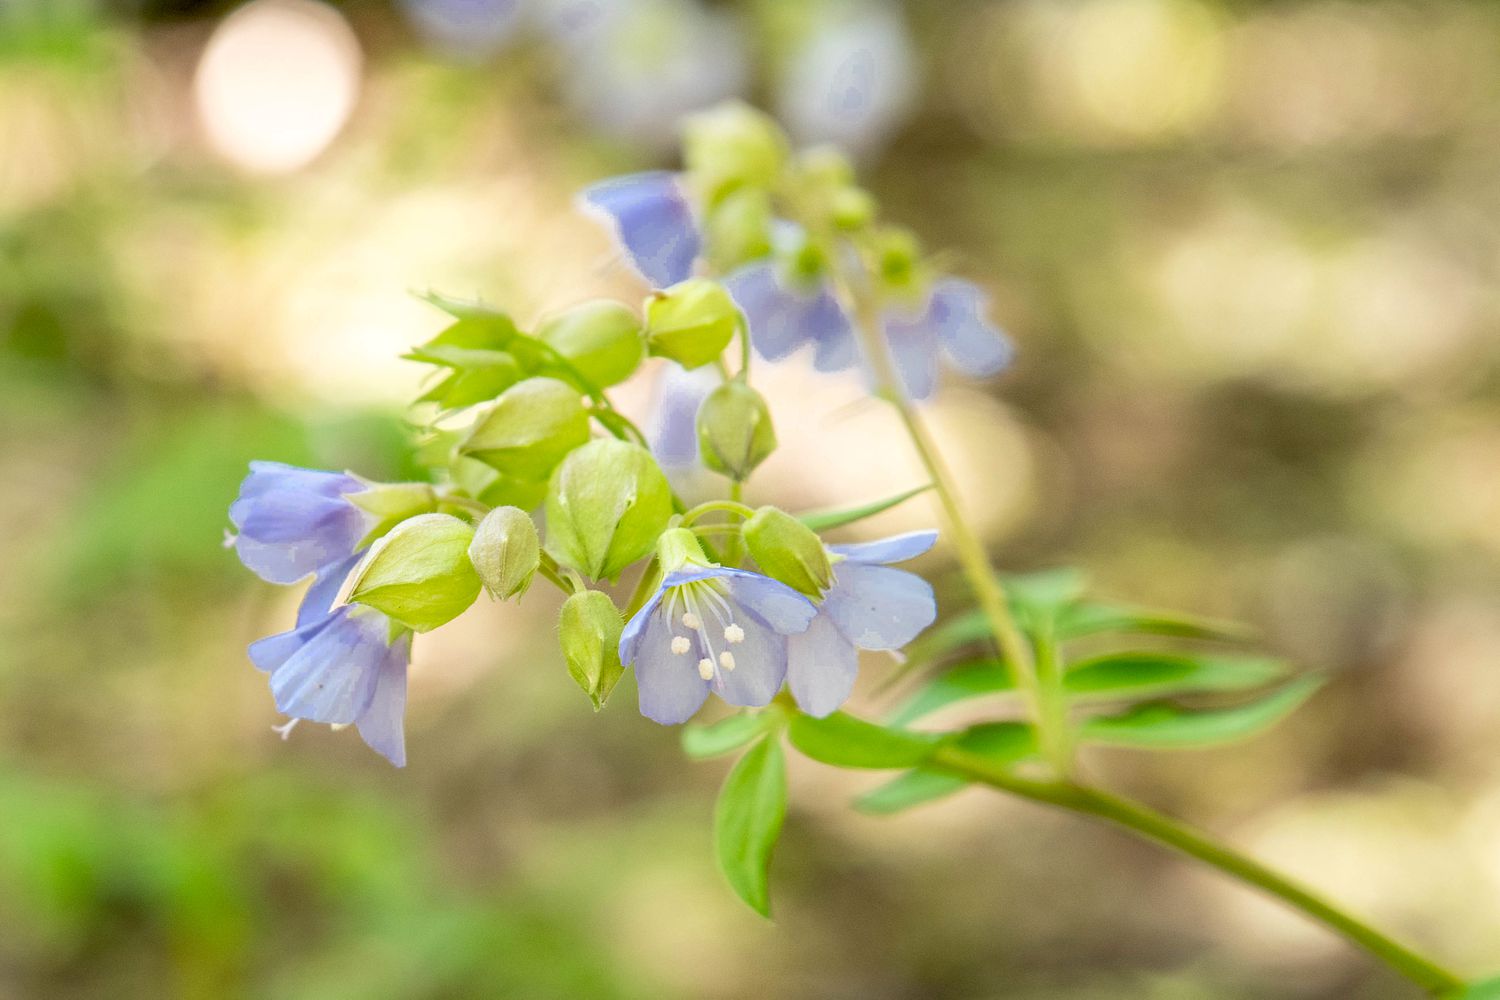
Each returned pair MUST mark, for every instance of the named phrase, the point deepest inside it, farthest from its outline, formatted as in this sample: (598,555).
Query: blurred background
(1248,251)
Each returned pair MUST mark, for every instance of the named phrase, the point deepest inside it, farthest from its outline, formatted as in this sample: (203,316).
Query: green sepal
(602,341)
(691,323)
(506,552)
(527,431)
(588,629)
(747,820)
(607,504)
(735,433)
(391,503)
(419,573)
(787,550)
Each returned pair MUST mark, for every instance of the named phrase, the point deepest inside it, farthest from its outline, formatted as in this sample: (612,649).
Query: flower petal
(318,600)
(897,548)
(759,664)
(914,348)
(778,605)
(783,317)
(382,724)
(271,652)
(973,344)
(332,677)
(632,634)
(877,607)
(668,684)
(653,222)
(285,535)
(674,431)
(821,667)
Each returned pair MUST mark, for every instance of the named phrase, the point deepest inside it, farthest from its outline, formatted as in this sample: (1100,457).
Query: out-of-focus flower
(292,522)
(870,606)
(712,628)
(674,430)
(653,222)
(344,668)
(852,80)
(785,313)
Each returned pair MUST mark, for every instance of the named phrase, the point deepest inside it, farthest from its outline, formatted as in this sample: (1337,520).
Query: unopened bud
(732,145)
(602,339)
(388,504)
(505,552)
(419,573)
(529,429)
(677,549)
(691,322)
(734,430)
(738,229)
(606,504)
(589,630)
(788,550)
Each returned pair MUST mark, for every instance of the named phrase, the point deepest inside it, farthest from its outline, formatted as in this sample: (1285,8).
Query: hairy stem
(1152,825)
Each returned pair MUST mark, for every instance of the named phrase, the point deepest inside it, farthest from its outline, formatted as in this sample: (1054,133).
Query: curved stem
(1153,825)
(709,506)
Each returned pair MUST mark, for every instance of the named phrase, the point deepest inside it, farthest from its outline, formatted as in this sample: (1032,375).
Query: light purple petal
(877,607)
(783,317)
(837,348)
(821,667)
(268,477)
(668,683)
(674,431)
(318,600)
(382,724)
(759,664)
(972,343)
(652,220)
(630,636)
(914,347)
(332,677)
(778,605)
(271,652)
(897,548)
(293,522)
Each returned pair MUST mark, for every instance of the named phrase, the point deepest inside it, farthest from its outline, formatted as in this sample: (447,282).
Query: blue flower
(292,521)
(870,606)
(342,666)
(784,315)
(653,222)
(712,628)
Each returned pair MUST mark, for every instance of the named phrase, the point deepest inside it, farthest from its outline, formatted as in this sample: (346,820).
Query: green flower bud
(606,504)
(392,503)
(788,550)
(734,430)
(529,429)
(589,630)
(678,549)
(738,229)
(419,573)
(825,167)
(602,339)
(853,208)
(900,259)
(691,322)
(732,145)
(505,552)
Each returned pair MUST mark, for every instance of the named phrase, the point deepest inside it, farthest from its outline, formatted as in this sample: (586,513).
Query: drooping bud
(529,429)
(738,229)
(678,549)
(419,573)
(606,504)
(734,430)
(505,552)
(788,550)
(853,208)
(730,146)
(602,339)
(389,504)
(589,630)
(900,257)
(691,322)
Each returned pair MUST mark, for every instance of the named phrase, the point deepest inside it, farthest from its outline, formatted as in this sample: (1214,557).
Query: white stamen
(726,660)
(285,729)
(734,634)
(680,644)
(706,668)
(690,620)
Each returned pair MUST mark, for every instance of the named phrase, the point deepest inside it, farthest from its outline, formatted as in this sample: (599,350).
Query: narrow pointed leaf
(844,741)
(1131,674)
(828,519)
(701,742)
(912,788)
(747,821)
(1093,618)
(973,679)
(1166,726)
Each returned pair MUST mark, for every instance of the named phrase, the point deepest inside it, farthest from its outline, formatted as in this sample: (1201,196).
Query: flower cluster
(536,475)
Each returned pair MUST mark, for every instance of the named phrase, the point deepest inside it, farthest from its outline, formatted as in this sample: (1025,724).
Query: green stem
(709,506)
(1152,825)
(1054,699)
(732,544)
(1014,650)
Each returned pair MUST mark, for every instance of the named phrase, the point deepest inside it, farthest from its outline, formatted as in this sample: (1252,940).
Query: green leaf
(913,788)
(972,679)
(1118,675)
(747,821)
(828,519)
(701,742)
(1045,595)
(844,741)
(1166,726)
(1488,989)
(1093,618)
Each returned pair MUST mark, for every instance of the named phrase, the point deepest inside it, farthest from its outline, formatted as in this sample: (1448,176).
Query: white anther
(680,644)
(726,660)
(734,633)
(706,668)
(690,620)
